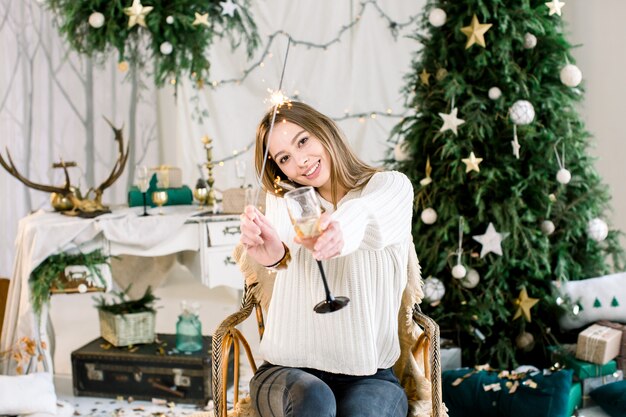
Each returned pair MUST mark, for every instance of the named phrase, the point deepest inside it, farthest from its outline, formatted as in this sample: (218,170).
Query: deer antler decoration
(80,206)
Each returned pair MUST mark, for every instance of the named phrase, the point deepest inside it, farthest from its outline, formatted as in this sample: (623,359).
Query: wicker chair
(228,337)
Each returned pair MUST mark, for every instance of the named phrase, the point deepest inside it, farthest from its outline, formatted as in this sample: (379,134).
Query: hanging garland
(176,34)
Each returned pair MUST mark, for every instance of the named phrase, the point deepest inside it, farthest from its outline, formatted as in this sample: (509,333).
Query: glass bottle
(188,329)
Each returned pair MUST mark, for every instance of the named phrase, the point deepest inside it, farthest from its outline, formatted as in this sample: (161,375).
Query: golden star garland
(475,32)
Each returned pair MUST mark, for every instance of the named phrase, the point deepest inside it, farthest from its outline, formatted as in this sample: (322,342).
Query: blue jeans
(279,391)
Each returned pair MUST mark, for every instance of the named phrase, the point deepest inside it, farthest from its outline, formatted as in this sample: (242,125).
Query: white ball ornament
(597,229)
(547,227)
(437,17)
(459,271)
(434,290)
(169,20)
(494,93)
(471,279)
(429,216)
(400,152)
(571,75)
(96,20)
(563,176)
(82,288)
(530,41)
(522,112)
(166,48)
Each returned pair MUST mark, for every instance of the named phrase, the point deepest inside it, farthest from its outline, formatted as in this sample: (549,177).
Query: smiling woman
(338,363)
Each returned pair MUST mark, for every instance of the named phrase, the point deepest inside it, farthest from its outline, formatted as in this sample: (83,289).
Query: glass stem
(145,212)
(329,297)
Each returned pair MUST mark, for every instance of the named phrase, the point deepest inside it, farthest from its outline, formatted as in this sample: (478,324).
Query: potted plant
(125,322)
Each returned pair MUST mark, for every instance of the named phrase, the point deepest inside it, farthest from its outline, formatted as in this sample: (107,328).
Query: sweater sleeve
(380,216)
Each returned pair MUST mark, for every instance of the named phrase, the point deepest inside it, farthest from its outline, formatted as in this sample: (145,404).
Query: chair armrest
(225,332)
(431,331)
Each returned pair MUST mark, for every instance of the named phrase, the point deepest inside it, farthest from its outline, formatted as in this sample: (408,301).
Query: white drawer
(223,233)
(221,268)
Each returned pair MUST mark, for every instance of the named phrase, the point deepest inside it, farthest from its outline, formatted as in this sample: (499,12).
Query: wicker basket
(127,329)
(234,200)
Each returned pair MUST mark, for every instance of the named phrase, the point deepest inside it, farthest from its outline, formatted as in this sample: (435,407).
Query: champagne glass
(159,198)
(305,211)
(142,181)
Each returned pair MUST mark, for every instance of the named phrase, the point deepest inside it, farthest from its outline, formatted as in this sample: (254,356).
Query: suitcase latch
(94,374)
(181,380)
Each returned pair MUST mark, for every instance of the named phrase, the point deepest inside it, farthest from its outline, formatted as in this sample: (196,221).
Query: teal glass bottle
(188,332)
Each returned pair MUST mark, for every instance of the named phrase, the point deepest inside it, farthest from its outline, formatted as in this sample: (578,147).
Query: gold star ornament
(475,32)
(471,163)
(201,19)
(137,13)
(424,76)
(524,303)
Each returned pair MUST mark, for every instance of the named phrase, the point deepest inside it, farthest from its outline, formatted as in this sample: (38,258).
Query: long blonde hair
(347,170)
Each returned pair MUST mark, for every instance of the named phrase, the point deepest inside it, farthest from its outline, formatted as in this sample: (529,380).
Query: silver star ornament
(228,7)
(555,7)
(491,241)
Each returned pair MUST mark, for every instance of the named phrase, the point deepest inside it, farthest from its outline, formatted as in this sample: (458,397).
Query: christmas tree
(508,203)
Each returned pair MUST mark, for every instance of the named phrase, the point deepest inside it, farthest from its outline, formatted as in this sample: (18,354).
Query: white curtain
(52,101)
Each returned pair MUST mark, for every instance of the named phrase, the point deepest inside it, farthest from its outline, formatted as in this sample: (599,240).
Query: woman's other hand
(328,243)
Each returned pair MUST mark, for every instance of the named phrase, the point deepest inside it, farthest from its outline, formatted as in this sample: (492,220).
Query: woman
(336,364)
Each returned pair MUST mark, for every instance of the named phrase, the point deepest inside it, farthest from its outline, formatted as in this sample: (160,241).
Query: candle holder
(210,198)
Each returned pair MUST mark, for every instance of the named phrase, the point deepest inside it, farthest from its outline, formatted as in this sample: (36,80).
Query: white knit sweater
(371,271)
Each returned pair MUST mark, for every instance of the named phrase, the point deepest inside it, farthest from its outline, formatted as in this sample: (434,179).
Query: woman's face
(300,155)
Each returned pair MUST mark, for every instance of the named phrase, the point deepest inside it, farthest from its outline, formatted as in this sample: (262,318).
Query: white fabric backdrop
(45,100)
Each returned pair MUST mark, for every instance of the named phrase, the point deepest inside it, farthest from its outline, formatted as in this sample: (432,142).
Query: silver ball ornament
(166,48)
(429,216)
(459,271)
(571,75)
(547,227)
(96,20)
(563,176)
(471,279)
(494,93)
(437,17)
(525,341)
(597,229)
(522,112)
(434,290)
(82,288)
(530,41)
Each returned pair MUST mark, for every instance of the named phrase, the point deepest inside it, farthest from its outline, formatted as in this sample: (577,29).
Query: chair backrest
(4,293)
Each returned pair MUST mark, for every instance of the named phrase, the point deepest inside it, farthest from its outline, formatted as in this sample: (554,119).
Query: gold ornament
(201,19)
(525,341)
(524,304)
(424,76)
(137,13)
(475,32)
(471,163)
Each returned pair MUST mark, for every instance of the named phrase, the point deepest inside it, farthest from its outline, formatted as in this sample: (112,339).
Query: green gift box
(175,196)
(582,369)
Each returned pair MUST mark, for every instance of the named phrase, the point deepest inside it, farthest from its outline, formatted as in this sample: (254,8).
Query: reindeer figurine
(81,206)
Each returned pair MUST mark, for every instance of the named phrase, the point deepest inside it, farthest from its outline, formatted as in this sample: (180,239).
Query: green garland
(169,23)
(49,273)
(125,306)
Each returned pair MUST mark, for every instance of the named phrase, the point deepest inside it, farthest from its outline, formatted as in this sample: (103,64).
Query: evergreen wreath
(175,33)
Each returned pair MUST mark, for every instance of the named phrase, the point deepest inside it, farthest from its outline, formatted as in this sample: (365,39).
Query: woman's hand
(260,238)
(329,243)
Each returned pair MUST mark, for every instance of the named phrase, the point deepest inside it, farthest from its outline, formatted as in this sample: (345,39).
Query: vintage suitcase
(144,372)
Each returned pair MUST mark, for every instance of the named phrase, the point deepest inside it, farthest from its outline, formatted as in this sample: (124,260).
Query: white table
(206,242)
